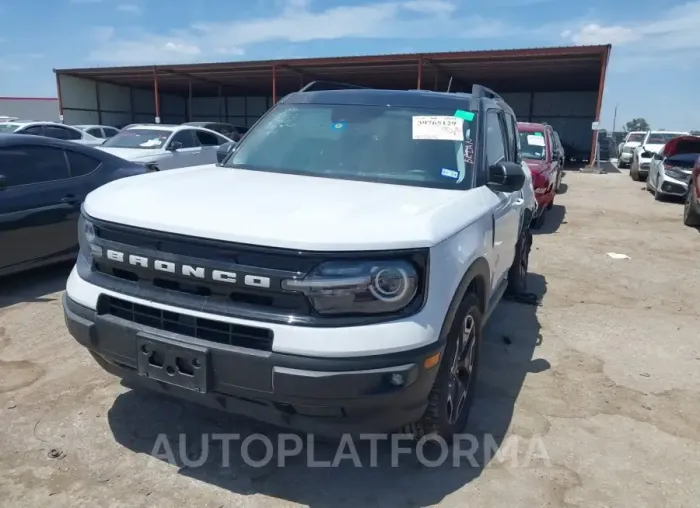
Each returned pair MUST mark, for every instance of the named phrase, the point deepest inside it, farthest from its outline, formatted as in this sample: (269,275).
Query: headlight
(358,287)
(674,172)
(86,239)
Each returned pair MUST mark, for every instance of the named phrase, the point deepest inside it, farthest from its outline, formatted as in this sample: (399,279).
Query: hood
(633,144)
(683,145)
(652,148)
(130,154)
(286,211)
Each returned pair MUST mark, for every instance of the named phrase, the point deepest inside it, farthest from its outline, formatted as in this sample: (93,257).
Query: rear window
(406,146)
(532,145)
(660,138)
(9,127)
(138,138)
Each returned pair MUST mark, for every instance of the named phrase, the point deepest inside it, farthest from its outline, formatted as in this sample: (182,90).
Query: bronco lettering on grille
(182,269)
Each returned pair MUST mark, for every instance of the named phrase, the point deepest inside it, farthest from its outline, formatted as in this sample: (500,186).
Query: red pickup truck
(542,155)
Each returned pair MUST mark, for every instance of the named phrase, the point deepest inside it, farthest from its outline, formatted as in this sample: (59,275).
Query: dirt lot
(605,374)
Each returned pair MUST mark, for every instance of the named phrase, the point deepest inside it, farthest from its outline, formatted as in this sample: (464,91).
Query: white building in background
(30,108)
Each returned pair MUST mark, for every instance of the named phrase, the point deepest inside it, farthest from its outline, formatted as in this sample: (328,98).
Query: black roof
(12,139)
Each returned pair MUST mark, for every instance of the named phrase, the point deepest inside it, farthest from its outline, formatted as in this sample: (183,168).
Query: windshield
(138,138)
(636,138)
(395,145)
(661,138)
(9,127)
(532,145)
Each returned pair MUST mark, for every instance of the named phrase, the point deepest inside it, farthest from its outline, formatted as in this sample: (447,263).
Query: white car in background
(626,148)
(99,131)
(166,146)
(652,144)
(672,167)
(50,130)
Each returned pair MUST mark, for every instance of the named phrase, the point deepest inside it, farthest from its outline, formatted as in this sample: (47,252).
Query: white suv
(332,275)
(626,148)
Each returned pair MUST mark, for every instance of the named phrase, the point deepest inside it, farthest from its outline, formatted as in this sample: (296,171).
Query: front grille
(190,326)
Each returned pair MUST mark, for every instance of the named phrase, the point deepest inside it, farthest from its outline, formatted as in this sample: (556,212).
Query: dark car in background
(234,132)
(43,183)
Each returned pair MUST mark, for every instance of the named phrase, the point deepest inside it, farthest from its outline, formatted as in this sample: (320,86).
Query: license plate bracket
(173,362)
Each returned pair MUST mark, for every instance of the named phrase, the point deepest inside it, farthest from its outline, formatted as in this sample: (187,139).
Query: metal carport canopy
(571,68)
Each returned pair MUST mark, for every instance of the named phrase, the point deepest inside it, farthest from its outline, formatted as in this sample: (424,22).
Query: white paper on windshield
(535,140)
(447,128)
(151,142)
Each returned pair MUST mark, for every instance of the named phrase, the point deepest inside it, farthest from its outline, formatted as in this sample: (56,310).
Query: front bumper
(329,396)
(672,186)
(625,157)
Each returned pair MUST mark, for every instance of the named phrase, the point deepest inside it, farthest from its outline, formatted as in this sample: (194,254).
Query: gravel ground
(593,396)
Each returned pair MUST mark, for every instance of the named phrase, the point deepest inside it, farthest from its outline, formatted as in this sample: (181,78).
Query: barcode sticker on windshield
(447,128)
(535,141)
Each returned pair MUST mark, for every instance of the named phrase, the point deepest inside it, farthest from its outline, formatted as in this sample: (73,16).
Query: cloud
(675,29)
(129,8)
(297,22)
(430,6)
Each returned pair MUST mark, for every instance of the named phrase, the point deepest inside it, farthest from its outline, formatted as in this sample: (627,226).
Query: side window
(110,131)
(81,164)
(54,131)
(186,137)
(24,165)
(207,139)
(95,131)
(35,130)
(513,138)
(495,141)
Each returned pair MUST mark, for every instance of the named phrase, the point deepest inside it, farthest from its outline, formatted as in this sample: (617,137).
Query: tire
(691,217)
(517,275)
(634,172)
(538,222)
(558,184)
(657,195)
(452,395)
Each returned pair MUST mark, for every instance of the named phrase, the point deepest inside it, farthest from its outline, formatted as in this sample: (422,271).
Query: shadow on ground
(33,286)
(563,188)
(553,219)
(146,423)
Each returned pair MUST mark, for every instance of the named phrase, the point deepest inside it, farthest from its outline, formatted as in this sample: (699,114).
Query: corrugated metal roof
(563,66)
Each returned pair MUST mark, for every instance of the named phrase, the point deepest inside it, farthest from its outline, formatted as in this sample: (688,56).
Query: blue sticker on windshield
(339,125)
(450,173)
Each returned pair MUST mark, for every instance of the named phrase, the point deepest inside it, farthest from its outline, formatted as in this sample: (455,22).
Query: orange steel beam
(599,104)
(155,94)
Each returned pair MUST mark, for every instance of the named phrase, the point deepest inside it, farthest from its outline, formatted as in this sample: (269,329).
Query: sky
(654,70)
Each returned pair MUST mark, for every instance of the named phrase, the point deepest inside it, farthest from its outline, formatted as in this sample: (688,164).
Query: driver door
(508,209)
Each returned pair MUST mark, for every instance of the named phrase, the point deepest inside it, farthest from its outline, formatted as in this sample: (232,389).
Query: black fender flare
(478,272)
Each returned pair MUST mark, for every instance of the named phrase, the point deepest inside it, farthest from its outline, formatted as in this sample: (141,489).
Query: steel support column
(189,100)
(60,97)
(599,104)
(156,95)
(420,72)
(274,84)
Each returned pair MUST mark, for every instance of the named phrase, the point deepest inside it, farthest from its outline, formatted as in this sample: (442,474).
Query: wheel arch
(476,280)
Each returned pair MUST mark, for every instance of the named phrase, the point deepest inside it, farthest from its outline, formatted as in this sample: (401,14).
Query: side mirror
(174,146)
(3,182)
(506,177)
(225,150)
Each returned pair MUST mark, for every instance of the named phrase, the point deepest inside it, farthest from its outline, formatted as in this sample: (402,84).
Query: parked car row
(669,164)
(544,154)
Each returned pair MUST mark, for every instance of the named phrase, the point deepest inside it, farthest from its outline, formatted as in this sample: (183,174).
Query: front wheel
(452,395)
(634,171)
(517,275)
(691,217)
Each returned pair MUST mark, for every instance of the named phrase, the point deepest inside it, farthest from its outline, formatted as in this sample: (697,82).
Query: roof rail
(316,86)
(480,91)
